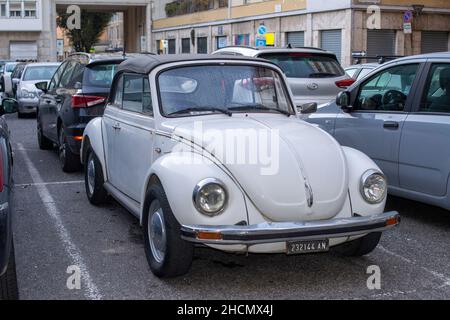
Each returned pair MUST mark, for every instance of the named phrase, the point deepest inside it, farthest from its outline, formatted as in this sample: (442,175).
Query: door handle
(116,126)
(391,125)
(58,100)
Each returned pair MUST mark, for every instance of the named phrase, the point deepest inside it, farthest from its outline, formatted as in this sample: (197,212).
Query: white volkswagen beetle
(210,150)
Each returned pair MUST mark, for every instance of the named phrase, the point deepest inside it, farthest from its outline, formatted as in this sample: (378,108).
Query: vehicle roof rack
(289,46)
(362,55)
(238,46)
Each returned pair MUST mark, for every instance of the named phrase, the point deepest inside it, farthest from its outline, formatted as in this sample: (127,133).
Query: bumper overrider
(272,232)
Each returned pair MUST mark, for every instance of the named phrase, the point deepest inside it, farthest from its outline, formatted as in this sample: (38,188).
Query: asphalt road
(56,227)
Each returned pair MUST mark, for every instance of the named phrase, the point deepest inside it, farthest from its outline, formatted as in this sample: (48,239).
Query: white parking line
(92,292)
(21,185)
(445,280)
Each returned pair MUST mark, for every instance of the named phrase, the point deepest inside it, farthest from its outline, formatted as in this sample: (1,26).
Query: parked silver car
(359,71)
(399,115)
(314,75)
(27,94)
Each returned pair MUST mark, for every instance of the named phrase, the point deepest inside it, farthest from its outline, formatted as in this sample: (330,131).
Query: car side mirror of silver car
(307,108)
(343,100)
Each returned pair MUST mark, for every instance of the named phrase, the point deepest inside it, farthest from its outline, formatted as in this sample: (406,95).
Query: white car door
(132,130)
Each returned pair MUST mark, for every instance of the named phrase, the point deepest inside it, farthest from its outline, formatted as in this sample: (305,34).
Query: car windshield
(39,73)
(9,67)
(100,75)
(196,90)
(306,65)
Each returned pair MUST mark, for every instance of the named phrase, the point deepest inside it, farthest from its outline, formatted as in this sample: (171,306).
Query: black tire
(361,246)
(178,255)
(70,162)
(8,281)
(43,141)
(96,193)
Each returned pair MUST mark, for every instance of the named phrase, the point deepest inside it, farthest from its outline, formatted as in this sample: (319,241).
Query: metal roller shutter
(331,40)
(434,41)
(23,50)
(296,39)
(381,42)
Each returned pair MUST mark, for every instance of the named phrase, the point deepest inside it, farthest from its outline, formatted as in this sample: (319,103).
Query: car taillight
(345,83)
(1,172)
(86,101)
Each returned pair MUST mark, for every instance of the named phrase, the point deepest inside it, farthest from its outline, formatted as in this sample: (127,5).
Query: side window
(147,98)
(118,93)
(132,93)
(77,75)
(387,90)
(57,76)
(436,97)
(67,75)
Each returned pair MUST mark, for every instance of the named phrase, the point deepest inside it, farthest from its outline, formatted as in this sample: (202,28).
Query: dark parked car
(75,95)
(8,280)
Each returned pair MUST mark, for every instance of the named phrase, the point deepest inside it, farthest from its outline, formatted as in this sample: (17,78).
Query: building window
(221,42)
(3,9)
(202,45)
(186,45)
(172,46)
(242,40)
(15,9)
(18,8)
(29,9)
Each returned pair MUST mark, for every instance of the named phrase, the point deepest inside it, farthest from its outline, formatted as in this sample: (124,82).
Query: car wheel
(44,142)
(70,162)
(8,281)
(361,246)
(167,254)
(94,180)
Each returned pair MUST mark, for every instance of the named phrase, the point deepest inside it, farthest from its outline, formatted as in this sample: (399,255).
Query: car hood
(291,171)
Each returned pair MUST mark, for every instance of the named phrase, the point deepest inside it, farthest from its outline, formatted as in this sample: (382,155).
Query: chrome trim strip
(291,231)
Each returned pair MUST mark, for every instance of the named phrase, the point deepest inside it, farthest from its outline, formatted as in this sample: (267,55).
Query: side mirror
(343,100)
(9,105)
(307,108)
(42,86)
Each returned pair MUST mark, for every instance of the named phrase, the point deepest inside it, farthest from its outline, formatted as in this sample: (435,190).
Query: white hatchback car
(209,150)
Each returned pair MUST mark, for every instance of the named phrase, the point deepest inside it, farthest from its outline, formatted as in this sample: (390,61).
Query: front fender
(358,163)
(93,137)
(179,173)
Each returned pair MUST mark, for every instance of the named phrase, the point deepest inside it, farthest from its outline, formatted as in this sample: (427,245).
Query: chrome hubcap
(157,231)
(91,175)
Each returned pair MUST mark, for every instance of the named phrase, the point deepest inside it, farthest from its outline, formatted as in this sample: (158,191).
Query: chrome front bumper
(271,232)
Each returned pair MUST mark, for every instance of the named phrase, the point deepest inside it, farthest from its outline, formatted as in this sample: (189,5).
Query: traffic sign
(408,16)
(262,30)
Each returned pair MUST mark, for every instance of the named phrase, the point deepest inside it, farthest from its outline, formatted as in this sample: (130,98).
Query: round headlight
(210,197)
(373,186)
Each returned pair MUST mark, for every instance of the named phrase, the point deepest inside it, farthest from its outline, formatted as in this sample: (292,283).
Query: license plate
(309,246)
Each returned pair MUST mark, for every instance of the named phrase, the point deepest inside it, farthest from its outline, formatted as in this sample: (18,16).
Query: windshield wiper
(321,75)
(200,109)
(259,107)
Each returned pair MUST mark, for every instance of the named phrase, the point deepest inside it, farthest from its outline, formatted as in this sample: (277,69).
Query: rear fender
(93,138)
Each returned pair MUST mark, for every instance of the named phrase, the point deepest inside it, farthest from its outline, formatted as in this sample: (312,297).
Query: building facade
(341,26)
(28,28)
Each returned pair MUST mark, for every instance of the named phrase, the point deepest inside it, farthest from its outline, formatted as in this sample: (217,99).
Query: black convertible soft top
(144,64)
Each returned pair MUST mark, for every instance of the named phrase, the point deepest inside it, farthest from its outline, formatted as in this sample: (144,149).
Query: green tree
(92,26)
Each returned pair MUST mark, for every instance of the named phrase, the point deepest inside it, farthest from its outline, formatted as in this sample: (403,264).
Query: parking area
(56,227)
